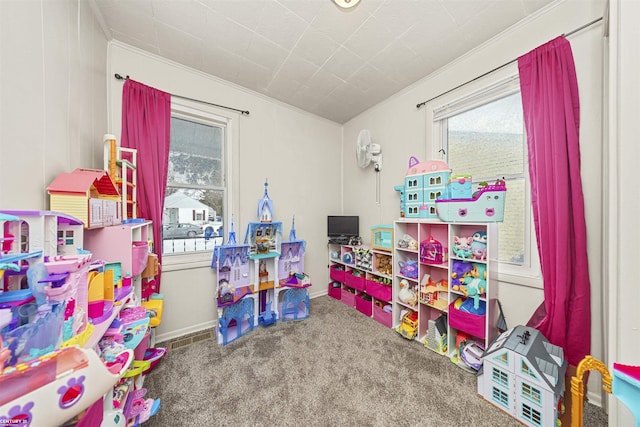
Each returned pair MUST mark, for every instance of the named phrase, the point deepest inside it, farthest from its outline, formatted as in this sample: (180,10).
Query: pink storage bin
(353,281)
(139,257)
(378,290)
(363,306)
(334,292)
(336,274)
(472,324)
(348,298)
(382,316)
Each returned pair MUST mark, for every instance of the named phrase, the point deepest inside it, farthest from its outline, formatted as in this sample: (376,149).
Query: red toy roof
(80,180)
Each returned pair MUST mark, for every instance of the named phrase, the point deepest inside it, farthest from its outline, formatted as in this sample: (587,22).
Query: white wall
(299,154)
(52,92)
(622,205)
(402,131)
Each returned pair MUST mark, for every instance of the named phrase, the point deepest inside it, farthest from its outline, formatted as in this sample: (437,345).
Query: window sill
(173,262)
(521,280)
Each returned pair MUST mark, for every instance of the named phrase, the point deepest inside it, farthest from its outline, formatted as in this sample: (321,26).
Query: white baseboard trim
(166,336)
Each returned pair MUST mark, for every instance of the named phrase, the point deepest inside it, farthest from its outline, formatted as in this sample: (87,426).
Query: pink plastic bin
(139,257)
(336,274)
(472,324)
(382,316)
(363,306)
(334,292)
(354,282)
(378,290)
(348,298)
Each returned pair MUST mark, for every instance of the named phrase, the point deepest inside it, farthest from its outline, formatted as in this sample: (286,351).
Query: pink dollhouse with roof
(87,194)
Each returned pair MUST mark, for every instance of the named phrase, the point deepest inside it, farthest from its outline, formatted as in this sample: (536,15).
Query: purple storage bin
(472,324)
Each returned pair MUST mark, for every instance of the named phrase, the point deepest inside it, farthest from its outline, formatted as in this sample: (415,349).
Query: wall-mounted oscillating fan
(367,151)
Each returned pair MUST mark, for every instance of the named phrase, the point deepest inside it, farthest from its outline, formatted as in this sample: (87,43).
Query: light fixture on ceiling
(346,4)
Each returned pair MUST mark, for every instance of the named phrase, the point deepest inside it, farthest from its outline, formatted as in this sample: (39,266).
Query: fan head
(367,151)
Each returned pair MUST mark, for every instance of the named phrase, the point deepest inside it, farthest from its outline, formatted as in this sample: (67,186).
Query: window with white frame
(482,134)
(197,194)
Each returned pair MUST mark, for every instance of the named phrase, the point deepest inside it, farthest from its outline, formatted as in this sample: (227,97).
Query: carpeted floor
(335,368)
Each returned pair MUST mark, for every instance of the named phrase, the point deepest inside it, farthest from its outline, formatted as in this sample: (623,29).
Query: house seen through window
(196,185)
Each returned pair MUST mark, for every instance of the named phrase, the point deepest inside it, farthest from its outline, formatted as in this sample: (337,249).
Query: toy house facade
(523,375)
(87,194)
(423,184)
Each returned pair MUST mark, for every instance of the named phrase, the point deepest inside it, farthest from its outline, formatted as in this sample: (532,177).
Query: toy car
(409,325)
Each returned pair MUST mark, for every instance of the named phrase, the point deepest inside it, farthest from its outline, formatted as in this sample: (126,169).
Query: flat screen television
(343,225)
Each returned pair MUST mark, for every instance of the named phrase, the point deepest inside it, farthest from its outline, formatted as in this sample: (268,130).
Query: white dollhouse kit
(523,374)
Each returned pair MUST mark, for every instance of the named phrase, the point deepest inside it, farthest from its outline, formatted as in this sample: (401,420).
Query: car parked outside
(181,231)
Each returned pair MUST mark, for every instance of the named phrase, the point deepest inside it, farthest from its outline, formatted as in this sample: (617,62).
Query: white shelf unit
(366,280)
(434,298)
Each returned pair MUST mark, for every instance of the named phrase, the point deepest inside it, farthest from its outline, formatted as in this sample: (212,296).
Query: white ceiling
(329,61)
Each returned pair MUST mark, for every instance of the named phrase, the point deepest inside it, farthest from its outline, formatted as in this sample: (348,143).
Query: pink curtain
(146,124)
(552,119)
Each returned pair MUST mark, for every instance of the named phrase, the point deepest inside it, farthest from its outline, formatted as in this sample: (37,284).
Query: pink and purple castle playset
(261,280)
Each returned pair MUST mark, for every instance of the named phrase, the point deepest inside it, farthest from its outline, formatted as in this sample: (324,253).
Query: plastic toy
(486,205)
(460,271)
(624,385)
(462,247)
(79,193)
(57,386)
(431,251)
(424,182)
(409,268)
(407,294)
(530,390)
(409,325)
(407,242)
(479,245)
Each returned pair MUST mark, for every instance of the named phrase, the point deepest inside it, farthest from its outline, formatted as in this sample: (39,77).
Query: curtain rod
(242,112)
(422,104)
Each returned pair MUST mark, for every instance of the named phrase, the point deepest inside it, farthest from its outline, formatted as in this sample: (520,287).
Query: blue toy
(479,245)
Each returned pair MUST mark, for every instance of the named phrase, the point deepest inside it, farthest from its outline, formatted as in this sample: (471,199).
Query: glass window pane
(196,153)
(488,141)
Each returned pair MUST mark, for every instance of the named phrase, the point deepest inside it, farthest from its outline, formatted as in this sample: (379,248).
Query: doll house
(261,280)
(89,195)
(523,374)
(424,182)
(235,315)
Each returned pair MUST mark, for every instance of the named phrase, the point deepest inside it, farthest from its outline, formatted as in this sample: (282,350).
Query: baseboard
(167,336)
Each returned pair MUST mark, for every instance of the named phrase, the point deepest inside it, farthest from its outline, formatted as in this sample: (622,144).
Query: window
(531,415)
(500,397)
(500,377)
(482,134)
(531,393)
(197,196)
(525,369)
